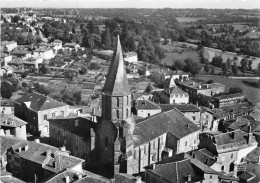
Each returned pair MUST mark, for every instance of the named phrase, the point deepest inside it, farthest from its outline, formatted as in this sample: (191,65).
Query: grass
(252,93)
(176,52)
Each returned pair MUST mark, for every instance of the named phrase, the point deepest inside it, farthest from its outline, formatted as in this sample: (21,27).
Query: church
(125,145)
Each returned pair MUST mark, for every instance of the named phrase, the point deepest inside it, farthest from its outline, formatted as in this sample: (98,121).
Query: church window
(127,113)
(117,101)
(117,114)
(127,98)
(145,150)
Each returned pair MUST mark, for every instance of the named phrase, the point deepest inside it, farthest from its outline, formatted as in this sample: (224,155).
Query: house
(252,162)
(146,108)
(9,45)
(181,169)
(206,118)
(32,161)
(21,53)
(7,106)
(237,109)
(230,99)
(104,54)
(6,70)
(130,57)
(174,95)
(188,110)
(5,59)
(11,125)
(70,175)
(45,53)
(126,145)
(36,109)
(230,148)
(76,133)
(194,88)
(71,46)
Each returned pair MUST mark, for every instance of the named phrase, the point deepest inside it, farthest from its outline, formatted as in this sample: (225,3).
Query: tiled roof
(204,156)
(226,142)
(246,176)
(146,105)
(62,161)
(254,155)
(10,120)
(39,102)
(69,124)
(170,121)
(73,176)
(7,142)
(175,90)
(180,107)
(176,171)
(205,109)
(116,83)
(123,177)
(230,96)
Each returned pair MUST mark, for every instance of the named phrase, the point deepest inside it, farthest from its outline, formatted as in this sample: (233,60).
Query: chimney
(26,147)
(207,85)
(79,176)
(189,177)
(249,129)
(93,110)
(199,86)
(37,140)
(19,149)
(63,148)
(67,179)
(249,138)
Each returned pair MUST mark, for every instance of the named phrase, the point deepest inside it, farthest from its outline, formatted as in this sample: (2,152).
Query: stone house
(76,133)
(33,161)
(226,100)
(6,106)
(206,118)
(71,46)
(11,125)
(36,109)
(181,170)
(230,148)
(9,45)
(6,70)
(146,108)
(45,53)
(131,57)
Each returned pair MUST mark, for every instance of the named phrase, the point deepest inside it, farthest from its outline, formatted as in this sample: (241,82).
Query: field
(252,93)
(176,52)
(187,19)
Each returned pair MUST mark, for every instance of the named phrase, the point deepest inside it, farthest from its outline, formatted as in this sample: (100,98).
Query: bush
(6,89)
(210,81)
(24,84)
(93,66)
(233,90)
(83,70)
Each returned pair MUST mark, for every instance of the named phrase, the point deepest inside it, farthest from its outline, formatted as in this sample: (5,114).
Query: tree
(41,89)
(217,61)
(213,70)
(207,68)
(6,89)
(24,84)
(30,39)
(83,70)
(210,81)
(233,90)
(25,74)
(43,69)
(224,68)
(177,65)
(93,66)
(106,39)
(229,64)
(235,69)
(77,97)
(21,39)
(244,62)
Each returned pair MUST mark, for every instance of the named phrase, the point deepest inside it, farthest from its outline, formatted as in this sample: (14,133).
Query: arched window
(135,153)
(145,150)
(127,98)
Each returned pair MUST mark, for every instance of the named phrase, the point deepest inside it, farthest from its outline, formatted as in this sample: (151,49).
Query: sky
(232,4)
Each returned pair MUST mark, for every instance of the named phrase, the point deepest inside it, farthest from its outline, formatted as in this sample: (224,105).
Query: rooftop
(230,96)
(10,120)
(146,105)
(180,107)
(176,90)
(254,156)
(39,102)
(7,142)
(171,121)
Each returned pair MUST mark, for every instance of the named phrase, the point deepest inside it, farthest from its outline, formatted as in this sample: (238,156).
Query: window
(231,155)
(222,168)
(154,144)
(45,116)
(62,113)
(117,114)
(149,114)
(210,177)
(117,101)
(127,98)
(207,116)
(53,114)
(145,150)
(77,140)
(194,141)
(193,117)
(126,112)
(135,154)
(3,108)
(186,143)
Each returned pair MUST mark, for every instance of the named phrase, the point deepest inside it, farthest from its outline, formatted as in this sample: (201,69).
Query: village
(74,114)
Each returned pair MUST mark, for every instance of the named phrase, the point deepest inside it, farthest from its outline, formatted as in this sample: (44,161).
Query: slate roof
(254,155)
(180,107)
(176,171)
(116,82)
(7,142)
(10,120)
(87,177)
(171,121)
(225,141)
(83,128)
(146,105)
(204,156)
(39,102)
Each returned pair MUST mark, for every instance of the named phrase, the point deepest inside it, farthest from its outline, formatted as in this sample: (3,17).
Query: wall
(146,113)
(188,143)
(243,152)
(20,132)
(6,110)
(190,116)
(206,120)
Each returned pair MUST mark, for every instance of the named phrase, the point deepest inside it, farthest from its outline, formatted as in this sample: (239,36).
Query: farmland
(252,93)
(176,51)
